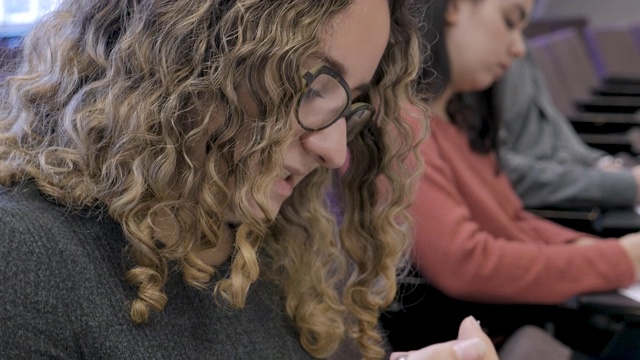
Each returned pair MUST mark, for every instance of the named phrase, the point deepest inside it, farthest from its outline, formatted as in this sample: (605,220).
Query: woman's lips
(285,186)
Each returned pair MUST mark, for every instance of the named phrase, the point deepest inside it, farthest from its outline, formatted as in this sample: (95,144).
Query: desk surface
(626,218)
(610,303)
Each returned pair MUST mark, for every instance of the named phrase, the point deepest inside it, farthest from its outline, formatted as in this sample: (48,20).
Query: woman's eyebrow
(522,12)
(332,63)
(342,70)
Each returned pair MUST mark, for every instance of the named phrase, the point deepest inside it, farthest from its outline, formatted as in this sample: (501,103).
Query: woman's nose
(518,46)
(328,146)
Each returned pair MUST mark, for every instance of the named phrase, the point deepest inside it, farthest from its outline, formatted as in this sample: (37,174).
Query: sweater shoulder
(38,233)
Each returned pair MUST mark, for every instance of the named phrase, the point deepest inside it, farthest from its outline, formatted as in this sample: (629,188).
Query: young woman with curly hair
(165,168)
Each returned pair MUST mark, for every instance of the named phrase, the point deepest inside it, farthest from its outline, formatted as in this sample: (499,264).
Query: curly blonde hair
(109,97)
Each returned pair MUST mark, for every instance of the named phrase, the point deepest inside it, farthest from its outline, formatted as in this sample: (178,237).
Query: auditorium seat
(615,50)
(565,61)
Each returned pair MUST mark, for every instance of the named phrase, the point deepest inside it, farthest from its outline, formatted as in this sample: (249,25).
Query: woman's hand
(472,344)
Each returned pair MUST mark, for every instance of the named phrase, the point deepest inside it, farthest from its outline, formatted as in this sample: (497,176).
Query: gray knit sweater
(62,295)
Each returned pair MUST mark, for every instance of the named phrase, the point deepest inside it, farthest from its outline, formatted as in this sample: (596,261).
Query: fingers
(469,328)
(399,356)
(472,344)
(469,349)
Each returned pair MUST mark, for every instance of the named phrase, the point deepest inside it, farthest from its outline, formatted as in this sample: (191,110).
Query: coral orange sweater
(475,241)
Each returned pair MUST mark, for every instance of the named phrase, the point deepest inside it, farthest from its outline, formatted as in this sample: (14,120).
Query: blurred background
(16,16)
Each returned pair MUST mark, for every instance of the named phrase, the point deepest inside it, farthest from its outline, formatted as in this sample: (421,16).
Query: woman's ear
(452,13)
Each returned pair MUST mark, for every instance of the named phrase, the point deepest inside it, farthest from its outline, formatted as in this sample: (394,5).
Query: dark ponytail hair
(475,114)
(472,112)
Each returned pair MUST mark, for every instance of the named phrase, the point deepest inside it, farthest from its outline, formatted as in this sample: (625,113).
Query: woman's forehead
(356,39)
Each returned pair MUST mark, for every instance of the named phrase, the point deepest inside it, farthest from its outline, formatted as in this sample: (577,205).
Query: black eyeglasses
(326,99)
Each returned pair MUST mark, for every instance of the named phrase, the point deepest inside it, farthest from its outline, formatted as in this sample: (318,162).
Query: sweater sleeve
(453,252)
(542,183)
(546,161)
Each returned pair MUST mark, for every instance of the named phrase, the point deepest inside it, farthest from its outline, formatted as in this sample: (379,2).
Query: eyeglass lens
(325,100)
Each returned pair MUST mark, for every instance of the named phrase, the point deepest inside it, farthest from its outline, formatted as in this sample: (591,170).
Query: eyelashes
(510,23)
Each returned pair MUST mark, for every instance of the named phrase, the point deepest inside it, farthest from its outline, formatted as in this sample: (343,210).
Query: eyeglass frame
(349,110)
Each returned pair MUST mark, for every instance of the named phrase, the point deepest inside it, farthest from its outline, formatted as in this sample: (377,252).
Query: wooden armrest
(610,303)
(612,143)
(613,104)
(621,79)
(600,123)
(588,214)
(620,218)
(608,89)
(580,219)
(612,139)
